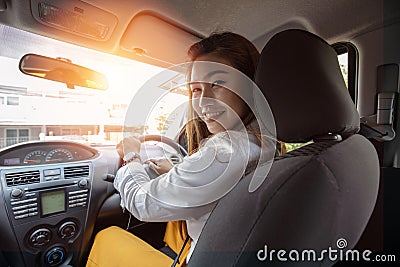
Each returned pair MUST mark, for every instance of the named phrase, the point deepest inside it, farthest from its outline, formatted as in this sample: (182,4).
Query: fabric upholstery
(300,77)
(312,196)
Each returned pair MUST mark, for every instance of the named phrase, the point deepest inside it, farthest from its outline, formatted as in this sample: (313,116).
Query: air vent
(19,178)
(76,171)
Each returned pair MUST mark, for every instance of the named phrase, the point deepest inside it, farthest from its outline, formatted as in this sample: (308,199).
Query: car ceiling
(258,20)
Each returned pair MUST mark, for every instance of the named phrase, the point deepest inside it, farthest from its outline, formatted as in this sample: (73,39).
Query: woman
(223,144)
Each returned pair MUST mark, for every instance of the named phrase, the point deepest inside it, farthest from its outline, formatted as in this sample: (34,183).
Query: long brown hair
(241,54)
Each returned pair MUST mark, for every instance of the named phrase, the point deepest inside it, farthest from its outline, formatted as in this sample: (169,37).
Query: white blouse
(191,189)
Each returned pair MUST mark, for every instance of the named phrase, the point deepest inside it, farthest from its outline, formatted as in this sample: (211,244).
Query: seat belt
(176,261)
(380,125)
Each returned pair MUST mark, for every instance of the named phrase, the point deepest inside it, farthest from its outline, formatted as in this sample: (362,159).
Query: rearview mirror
(62,70)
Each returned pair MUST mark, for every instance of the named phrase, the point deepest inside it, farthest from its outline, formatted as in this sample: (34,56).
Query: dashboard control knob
(67,230)
(83,183)
(40,237)
(17,193)
(55,256)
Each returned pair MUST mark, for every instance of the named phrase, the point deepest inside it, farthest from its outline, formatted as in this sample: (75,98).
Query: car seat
(317,197)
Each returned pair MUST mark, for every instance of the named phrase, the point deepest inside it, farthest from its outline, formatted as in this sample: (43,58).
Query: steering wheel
(163,139)
(175,158)
(180,153)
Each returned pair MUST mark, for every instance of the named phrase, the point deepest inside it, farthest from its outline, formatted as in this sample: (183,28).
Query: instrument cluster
(45,153)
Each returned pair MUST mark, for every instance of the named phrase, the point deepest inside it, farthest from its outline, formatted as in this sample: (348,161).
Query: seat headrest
(299,74)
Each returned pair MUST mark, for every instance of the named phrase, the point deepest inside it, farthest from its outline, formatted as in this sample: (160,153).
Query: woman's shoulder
(231,137)
(229,143)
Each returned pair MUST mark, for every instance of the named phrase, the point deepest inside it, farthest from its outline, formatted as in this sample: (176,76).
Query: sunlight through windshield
(33,108)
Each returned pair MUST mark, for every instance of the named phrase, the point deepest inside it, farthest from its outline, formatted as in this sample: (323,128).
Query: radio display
(52,202)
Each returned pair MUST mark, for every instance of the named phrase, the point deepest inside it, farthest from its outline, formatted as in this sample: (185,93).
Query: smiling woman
(228,146)
(231,50)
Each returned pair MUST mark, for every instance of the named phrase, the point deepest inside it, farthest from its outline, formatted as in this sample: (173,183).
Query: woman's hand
(160,165)
(128,144)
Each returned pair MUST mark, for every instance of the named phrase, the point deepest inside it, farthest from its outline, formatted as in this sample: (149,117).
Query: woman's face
(213,98)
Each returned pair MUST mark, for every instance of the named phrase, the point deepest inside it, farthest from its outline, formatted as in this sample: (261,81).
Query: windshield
(38,109)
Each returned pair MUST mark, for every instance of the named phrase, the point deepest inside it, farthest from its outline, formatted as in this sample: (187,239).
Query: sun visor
(150,36)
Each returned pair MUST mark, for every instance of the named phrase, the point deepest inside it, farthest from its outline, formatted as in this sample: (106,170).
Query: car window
(344,67)
(348,62)
(33,108)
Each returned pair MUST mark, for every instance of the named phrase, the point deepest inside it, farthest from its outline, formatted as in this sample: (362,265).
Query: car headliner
(257,20)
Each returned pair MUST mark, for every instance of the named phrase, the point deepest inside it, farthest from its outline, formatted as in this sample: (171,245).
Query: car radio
(43,192)
(47,206)
(30,204)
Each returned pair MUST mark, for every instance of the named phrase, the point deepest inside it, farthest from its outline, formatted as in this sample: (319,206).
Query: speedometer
(59,155)
(35,157)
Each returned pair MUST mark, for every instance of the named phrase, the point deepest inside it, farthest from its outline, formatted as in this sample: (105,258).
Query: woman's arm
(189,189)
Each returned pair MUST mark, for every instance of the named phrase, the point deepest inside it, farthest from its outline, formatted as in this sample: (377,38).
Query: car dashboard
(51,193)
